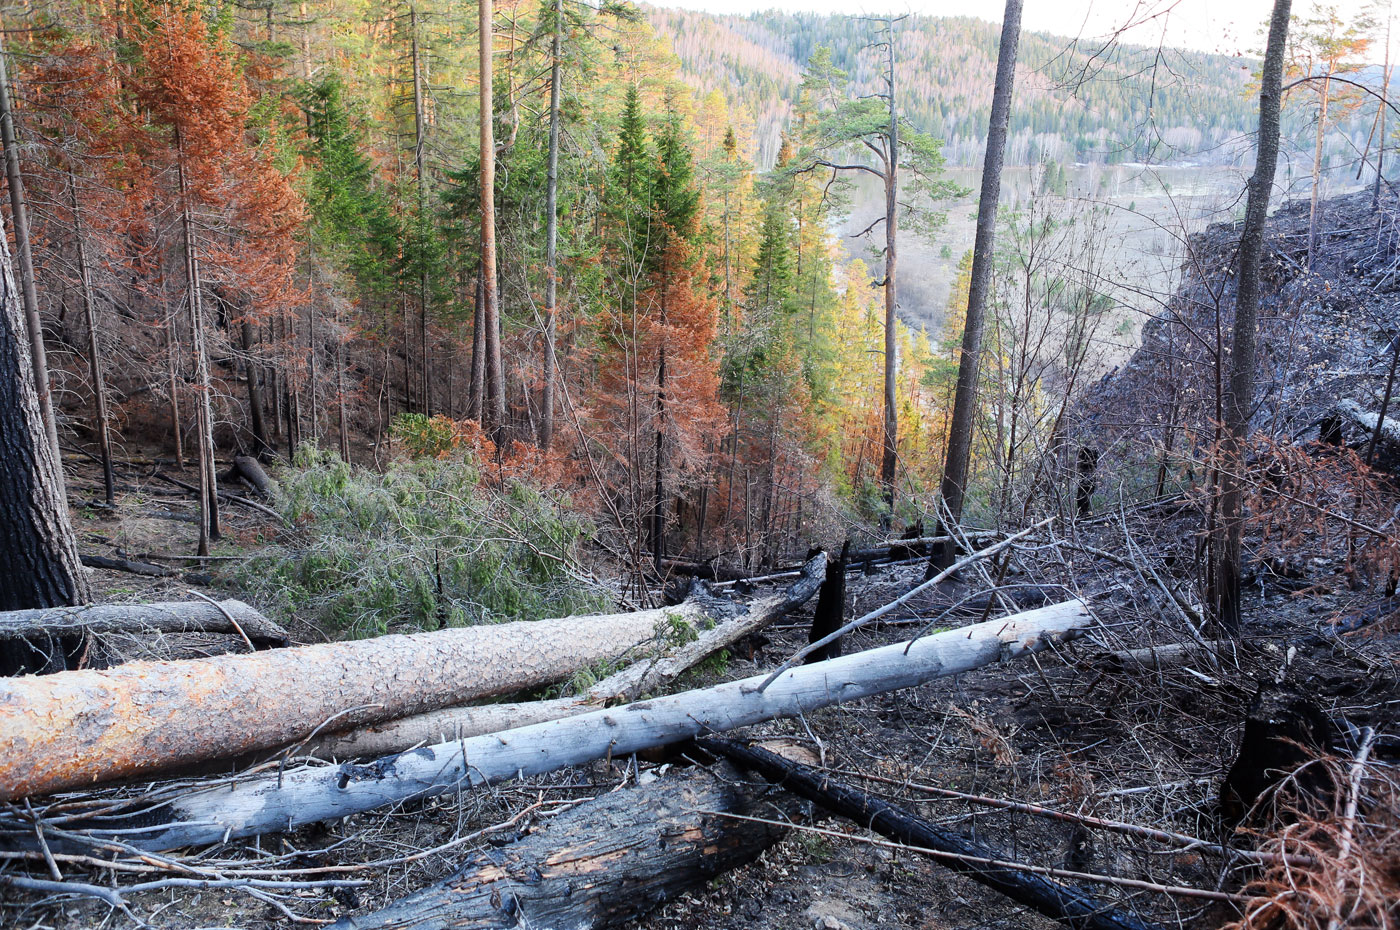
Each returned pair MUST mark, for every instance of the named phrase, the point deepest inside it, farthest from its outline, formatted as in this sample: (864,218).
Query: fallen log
(76,728)
(248,468)
(643,677)
(1389,429)
(126,565)
(234,617)
(605,862)
(309,793)
(898,549)
(1044,895)
(225,495)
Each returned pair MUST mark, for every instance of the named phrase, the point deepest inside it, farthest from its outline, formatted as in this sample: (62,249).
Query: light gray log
(605,862)
(307,794)
(161,617)
(1390,429)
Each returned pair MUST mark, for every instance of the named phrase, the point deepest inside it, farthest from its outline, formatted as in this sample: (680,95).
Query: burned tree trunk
(830,612)
(604,863)
(1283,730)
(39,562)
(1053,899)
(262,448)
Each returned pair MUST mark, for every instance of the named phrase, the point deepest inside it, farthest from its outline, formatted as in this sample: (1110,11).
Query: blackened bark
(39,563)
(251,369)
(830,612)
(1055,900)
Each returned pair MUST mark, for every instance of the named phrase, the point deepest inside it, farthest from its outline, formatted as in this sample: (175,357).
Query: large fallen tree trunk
(1389,429)
(233,617)
(75,728)
(1045,895)
(646,676)
(310,793)
(603,863)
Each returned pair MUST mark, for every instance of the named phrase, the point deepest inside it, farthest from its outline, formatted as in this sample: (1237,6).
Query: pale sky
(1227,26)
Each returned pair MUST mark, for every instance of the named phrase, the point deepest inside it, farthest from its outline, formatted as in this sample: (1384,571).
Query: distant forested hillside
(1141,103)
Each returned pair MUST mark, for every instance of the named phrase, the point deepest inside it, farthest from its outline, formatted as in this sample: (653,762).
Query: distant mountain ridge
(1143,104)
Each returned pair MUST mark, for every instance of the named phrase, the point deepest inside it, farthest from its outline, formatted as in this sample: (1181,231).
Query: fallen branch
(1181,840)
(126,565)
(602,863)
(261,508)
(1053,899)
(903,599)
(162,617)
(309,793)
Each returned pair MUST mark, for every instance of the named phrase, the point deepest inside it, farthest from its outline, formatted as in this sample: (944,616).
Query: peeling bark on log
(76,728)
(1390,429)
(1044,895)
(307,794)
(163,617)
(603,863)
(643,677)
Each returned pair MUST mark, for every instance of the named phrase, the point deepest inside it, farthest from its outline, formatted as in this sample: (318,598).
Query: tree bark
(476,399)
(646,676)
(1317,165)
(62,731)
(494,403)
(425,365)
(953,490)
(1055,900)
(161,617)
(209,529)
(300,795)
(247,468)
(551,258)
(1239,396)
(251,370)
(890,458)
(101,418)
(39,562)
(603,863)
(830,613)
(38,358)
